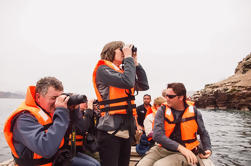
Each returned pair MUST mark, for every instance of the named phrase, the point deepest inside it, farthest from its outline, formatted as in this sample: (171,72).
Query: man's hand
(190,156)
(90,104)
(61,101)
(140,127)
(127,50)
(207,154)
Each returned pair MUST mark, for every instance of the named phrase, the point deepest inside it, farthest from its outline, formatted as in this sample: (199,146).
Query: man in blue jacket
(36,131)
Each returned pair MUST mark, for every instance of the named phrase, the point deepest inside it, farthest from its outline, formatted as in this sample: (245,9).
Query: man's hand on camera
(127,50)
(61,101)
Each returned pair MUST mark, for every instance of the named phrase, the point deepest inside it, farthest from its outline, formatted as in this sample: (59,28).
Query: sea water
(230,133)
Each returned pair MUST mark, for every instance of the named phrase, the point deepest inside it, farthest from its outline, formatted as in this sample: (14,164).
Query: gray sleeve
(32,135)
(141,79)
(159,132)
(204,136)
(110,77)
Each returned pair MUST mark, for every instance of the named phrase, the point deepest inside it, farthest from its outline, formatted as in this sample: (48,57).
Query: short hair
(178,88)
(159,100)
(147,95)
(163,93)
(44,83)
(108,52)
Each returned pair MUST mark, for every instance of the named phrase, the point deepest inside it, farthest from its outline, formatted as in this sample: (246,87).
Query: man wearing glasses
(176,126)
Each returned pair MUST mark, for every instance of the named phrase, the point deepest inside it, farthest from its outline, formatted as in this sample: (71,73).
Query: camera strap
(73,141)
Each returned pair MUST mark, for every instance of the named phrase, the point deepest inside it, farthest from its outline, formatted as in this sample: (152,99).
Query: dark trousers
(113,151)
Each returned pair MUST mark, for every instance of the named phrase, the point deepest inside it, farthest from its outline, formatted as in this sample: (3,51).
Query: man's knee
(146,162)
(172,160)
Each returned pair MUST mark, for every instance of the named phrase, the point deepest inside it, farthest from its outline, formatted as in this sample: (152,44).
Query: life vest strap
(187,119)
(189,140)
(78,141)
(47,126)
(107,109)
(172,122)
(31,162)
(105,102)
(179,121)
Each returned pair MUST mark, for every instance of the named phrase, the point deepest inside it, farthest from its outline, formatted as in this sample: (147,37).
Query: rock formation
(231,93)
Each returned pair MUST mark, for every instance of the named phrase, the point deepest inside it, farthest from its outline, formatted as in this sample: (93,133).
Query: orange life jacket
(188,126)
(119,99)
(79,139)
(152,110)
(44,119)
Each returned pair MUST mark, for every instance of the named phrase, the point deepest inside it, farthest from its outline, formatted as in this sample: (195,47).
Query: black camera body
(75,99)
(134,49)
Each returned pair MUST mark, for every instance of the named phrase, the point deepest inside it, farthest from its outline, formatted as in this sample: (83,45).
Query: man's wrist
(180,148)
(126,57)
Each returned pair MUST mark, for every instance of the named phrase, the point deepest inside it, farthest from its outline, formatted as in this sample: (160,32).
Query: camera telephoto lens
(77,99)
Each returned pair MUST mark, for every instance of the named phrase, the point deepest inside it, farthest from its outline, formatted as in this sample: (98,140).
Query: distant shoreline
(11,95)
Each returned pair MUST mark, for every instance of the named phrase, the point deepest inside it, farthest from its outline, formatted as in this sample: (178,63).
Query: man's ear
(37,97)
(181,98)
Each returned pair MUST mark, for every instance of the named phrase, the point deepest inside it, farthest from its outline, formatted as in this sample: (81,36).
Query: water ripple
(230,133)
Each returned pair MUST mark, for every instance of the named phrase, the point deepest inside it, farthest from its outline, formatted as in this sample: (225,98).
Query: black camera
(75,99)
(134,49)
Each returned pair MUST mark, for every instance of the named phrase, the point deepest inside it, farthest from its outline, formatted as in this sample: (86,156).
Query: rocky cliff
(231,93)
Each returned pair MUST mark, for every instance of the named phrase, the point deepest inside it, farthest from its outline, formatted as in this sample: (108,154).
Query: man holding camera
(36,131)
(114,86)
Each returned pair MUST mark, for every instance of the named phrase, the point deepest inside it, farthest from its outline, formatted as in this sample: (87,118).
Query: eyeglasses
(170,96)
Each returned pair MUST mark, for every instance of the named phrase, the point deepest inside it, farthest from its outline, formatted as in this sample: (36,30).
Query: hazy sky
(191,41)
